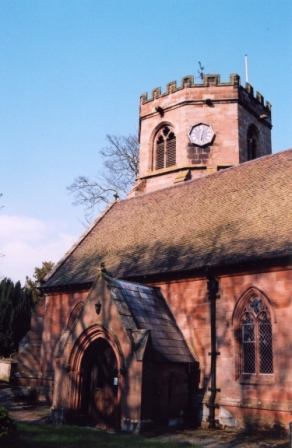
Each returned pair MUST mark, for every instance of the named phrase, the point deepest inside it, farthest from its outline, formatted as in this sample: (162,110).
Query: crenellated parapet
(258,96)
(211,81)
(213,125)
(188,82)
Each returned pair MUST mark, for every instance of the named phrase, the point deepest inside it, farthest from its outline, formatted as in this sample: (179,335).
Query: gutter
(212,286)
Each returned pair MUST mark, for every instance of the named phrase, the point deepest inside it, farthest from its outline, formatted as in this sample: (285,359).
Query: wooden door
(102,396)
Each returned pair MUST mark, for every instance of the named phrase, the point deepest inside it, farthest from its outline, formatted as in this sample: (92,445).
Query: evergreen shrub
(6,423)
(9,437)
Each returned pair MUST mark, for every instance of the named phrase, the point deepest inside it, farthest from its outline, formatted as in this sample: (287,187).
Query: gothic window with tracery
(256,338)
(165,148)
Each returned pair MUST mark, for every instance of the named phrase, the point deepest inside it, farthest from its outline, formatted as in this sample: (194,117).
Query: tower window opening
(160,153)
(252,143)
(165,143)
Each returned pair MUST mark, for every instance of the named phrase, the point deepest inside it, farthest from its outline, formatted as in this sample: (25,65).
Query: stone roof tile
(236,215)
(168,343)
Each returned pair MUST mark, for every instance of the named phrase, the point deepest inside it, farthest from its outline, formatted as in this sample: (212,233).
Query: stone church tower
(130,331)
(197,129)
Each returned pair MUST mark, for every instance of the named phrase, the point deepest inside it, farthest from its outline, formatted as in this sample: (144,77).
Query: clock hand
(202,135)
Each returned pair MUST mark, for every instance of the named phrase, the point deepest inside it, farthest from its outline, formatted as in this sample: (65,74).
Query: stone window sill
(256,379)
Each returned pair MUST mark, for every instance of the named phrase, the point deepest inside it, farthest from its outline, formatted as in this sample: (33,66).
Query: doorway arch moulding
(82,343)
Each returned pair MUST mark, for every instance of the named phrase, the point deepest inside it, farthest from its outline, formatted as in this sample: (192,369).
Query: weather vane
(201,71)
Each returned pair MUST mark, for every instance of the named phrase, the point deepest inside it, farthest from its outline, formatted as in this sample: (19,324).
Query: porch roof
(146,308)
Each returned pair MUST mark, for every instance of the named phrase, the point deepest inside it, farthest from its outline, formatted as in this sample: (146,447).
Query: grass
(49,436)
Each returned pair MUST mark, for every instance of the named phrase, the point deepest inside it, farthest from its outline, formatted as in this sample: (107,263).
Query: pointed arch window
(254,321)
(165,148)
(256,338)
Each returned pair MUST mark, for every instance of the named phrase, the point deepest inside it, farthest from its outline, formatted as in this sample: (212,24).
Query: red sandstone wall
(231,111)
(222,116)
(265,143)
(28,357)
(29,375)
(57,311)
(190,305)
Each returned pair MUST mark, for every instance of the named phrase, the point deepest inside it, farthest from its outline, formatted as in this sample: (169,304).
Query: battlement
(240,121)
(245,94)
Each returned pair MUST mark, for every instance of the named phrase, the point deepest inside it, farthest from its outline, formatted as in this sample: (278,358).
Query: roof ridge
(203,179)
(219,221)
(78,242)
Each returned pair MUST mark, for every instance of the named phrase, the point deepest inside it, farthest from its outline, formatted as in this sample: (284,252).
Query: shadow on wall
(57,318)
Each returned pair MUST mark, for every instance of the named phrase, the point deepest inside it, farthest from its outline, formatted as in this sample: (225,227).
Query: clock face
(201,134)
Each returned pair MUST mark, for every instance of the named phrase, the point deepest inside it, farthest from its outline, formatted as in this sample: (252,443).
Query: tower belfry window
(165,148)
(252,143)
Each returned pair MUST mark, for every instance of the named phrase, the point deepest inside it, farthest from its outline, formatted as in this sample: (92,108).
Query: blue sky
(73,71)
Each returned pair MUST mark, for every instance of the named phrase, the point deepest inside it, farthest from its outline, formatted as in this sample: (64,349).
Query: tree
(39,275)
(15,315)
(121,167)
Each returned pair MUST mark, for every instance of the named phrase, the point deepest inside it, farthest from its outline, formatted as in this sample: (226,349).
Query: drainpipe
(212,286)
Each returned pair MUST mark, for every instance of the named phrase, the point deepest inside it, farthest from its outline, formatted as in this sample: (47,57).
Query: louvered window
(257,348)
(171,150)
(165,148)
(160,153)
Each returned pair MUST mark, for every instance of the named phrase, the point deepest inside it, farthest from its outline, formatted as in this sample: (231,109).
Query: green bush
(9,437)
(7,425)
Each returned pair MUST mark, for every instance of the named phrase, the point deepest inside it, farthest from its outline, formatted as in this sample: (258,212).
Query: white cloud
(27,242)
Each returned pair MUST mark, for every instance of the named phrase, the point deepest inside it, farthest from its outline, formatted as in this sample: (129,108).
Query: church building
(174,307)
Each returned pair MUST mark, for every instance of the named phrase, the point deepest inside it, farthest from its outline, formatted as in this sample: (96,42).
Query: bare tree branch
(121,167)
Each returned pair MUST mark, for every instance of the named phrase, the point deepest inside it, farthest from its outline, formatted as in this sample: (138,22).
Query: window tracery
(256,338)
(165,148)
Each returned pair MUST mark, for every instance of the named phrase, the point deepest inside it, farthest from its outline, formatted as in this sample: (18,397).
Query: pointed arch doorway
(99,371)
(95,362)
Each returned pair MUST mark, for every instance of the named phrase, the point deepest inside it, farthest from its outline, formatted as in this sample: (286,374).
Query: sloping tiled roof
(148,309)
(240,214)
